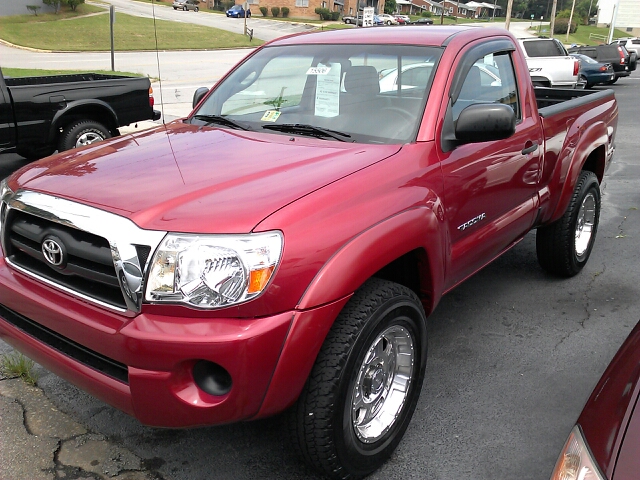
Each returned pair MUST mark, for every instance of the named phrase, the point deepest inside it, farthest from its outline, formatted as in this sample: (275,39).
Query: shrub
(73,4)
(325,13)
(264,11)
(563,14)
(426,14)
(227,4)
(560,26)
(285,12)
(335,15)
(275,11)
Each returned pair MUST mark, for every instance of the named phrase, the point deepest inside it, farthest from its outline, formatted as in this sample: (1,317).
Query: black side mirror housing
(484,122)
(198,94)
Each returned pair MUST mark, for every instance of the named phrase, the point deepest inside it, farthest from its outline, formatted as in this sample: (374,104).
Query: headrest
(362,79)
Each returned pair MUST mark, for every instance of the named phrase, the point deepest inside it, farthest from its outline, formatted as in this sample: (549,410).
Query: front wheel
(196,9)
(563,247)
(365,384)
(81,133)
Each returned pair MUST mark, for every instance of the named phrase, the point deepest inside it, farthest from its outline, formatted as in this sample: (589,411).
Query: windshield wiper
(222,121)
(310,130)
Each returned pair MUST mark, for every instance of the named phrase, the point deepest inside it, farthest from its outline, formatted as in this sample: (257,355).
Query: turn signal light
(151,100)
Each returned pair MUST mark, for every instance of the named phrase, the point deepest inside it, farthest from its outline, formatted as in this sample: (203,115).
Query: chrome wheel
(382,384)
(584,224)
(87,138)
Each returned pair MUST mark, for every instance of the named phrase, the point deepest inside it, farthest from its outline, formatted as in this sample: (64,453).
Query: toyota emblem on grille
(53,251)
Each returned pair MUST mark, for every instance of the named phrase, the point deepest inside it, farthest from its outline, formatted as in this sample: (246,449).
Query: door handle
(531,148)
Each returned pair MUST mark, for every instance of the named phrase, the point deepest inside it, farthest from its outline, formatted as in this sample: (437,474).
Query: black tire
(583,80)
(564,247)
(611,82)
(185,8)
(248,14)
(175,8)
(323,423)
(83,132)
(196,9)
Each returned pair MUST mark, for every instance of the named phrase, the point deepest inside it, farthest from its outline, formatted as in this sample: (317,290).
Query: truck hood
(186,178)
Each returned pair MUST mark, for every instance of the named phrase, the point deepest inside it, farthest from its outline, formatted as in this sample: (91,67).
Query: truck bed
(552,101)
(52,79)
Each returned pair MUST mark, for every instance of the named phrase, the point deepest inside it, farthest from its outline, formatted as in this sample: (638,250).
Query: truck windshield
(353,93)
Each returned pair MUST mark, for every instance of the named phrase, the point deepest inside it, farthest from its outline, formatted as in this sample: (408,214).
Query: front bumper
(143,365)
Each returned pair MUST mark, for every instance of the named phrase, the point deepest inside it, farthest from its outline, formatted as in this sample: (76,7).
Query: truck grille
(84,251)
(87,267)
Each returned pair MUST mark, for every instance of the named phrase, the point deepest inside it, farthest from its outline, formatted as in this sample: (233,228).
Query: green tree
(390,6)
(73,4)
(53,3)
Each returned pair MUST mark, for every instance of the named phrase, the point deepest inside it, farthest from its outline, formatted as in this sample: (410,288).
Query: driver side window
(491,79)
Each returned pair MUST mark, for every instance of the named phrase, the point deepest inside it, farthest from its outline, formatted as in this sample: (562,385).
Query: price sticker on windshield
(270,116)
(319,70)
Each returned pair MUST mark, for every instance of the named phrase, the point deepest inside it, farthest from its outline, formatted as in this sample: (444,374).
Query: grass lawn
(32,72)
(70,31)
(581,37)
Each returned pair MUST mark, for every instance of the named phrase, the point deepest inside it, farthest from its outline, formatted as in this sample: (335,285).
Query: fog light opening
(211,378)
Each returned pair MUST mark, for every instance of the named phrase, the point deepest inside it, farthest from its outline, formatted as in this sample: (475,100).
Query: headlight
(213,271)
(575,461)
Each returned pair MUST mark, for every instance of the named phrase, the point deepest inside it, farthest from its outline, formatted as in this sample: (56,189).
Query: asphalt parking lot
(513,355)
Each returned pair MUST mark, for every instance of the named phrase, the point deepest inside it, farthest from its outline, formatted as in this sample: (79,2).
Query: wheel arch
(399,249)
(392,246)
(95,110)
(589,154)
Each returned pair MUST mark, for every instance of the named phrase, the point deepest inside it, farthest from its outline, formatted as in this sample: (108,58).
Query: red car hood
(185,178)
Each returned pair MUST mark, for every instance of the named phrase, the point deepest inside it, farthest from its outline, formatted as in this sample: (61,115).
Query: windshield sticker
(319,70)
(270,116)
(328,91)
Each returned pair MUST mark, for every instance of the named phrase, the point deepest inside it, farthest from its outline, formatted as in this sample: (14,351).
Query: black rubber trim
(84,355)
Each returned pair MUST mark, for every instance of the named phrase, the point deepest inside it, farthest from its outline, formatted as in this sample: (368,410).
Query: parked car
(41,114)
(593,72)
(632,57)
(631,44)
(403,19)
(387,19)
(237,11)
(186,5)
(605,441)
(350,19)
(549,63)
(172,274)
(613,54)
(423,21)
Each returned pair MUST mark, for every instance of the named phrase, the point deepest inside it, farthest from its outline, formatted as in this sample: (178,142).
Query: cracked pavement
(38,441)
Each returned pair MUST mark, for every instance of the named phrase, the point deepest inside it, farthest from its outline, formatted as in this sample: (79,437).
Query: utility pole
(573,5)
(613,22)
(508,19)
(553,18)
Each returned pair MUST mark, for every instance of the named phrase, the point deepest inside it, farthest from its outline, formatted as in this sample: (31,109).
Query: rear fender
(90,109)
(594,137)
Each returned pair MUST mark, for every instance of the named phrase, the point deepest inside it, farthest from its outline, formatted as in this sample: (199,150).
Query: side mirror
(198,94)
(484,122)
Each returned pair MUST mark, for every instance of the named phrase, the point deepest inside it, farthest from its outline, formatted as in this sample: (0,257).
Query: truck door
(7,127)
(490,187)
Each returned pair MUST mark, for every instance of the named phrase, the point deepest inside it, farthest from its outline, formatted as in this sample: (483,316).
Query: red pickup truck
(282,247)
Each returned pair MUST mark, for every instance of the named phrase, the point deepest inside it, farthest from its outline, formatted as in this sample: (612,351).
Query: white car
(417,75)
(388,19)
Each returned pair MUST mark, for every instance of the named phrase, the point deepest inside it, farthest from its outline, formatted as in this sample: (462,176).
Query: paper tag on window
(328,92)
(319,70)
(270,116)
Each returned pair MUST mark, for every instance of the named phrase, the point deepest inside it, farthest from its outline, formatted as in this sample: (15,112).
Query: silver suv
(186,5)
(631,44)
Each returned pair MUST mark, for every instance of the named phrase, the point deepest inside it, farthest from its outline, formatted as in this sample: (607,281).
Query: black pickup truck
(41,114)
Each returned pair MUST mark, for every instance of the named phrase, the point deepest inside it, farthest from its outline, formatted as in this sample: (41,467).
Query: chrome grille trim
(124,238)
